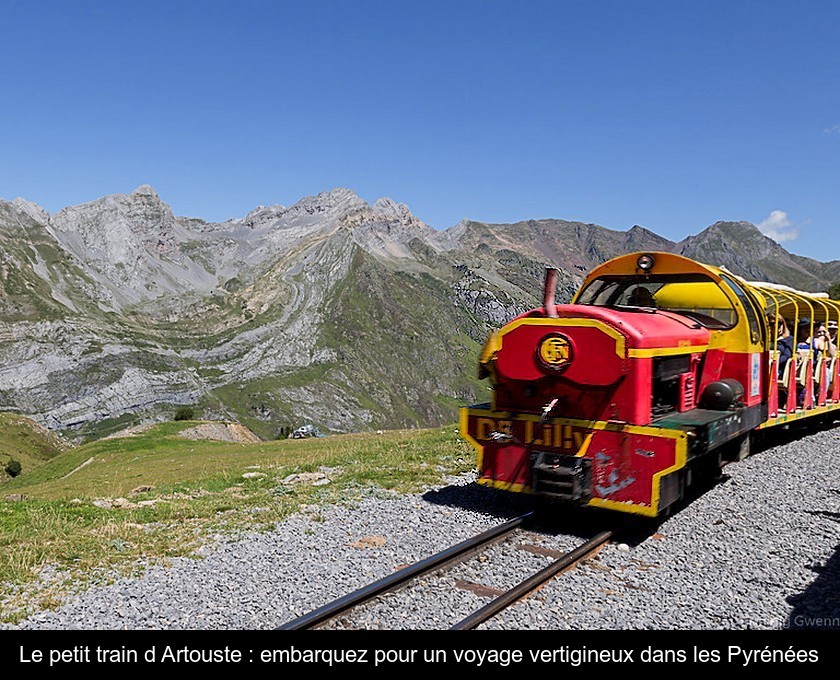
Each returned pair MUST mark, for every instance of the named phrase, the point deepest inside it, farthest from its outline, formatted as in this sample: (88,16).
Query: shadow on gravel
(549,518)
(818,607)
(477,498)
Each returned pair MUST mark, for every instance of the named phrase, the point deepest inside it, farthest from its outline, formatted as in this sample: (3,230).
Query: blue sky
(671,115)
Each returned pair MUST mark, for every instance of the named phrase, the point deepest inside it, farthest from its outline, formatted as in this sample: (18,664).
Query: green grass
(399,329)
(102,428)
(27,443)
(198,490)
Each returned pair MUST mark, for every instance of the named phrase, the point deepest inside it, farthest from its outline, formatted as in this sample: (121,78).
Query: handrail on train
(815,378)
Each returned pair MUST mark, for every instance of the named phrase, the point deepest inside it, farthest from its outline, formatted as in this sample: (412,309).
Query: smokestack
(549,292)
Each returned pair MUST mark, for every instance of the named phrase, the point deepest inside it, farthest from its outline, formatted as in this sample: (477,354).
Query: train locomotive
(659,371)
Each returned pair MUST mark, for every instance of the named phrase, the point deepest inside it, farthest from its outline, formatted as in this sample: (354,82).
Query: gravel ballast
(758,550)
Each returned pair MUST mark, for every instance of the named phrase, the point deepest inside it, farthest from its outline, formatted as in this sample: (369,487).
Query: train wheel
(707,467)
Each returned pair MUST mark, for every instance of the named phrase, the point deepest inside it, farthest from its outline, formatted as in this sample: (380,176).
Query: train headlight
(645,262)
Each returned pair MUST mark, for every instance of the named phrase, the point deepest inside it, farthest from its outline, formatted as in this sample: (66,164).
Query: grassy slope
(406,342)
(26,442)
(199,488)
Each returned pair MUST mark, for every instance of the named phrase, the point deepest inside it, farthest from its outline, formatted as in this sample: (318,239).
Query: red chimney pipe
(549,292)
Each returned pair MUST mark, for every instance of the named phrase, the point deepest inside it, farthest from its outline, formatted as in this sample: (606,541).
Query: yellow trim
(463,424)
(504,486)
(666,351)
(680,439)
(680,456)
(591,424)
(600,325)
(799,414)
(574,322)
(652,511)
(493,345)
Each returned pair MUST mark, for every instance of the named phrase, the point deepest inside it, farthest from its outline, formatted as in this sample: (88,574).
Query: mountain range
(333,311)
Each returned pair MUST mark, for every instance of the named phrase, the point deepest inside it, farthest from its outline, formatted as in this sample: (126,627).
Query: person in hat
(804,343)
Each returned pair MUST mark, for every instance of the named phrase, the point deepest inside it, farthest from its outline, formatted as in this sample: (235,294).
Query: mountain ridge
(331,310)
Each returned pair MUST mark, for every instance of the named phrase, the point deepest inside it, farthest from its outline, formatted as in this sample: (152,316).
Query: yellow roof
(790,302)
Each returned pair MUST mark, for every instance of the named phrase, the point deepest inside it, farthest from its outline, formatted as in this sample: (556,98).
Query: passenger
(807,345)
(823,344)
(804,344)
(820,344)
(641,297)
(784,346)
(803,349)
(784,340)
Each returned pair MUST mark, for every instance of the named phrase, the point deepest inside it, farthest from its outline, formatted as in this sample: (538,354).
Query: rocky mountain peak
(131,246)
(332,203)
(145,190)
(33,210)
(638,229)
(639,238)
(399,212)
(121,220)
(741,236)
(743,249)
(389,208)
(263,214)
(741,227)
(335,198)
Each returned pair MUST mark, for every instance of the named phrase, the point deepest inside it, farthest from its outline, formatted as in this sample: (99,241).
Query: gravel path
(759,550)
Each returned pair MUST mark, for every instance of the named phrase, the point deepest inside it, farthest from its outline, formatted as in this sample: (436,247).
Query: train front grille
(561,476)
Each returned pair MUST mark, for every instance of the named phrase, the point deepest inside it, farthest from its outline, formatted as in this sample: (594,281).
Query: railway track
(446,558)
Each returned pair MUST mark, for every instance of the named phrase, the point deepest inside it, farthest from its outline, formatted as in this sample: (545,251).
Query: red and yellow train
(659,370)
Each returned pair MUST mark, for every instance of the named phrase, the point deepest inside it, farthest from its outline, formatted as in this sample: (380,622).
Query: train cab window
(599,293)
(752,317)
(693,295)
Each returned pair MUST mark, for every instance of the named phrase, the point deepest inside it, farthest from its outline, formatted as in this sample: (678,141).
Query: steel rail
(509,597)
(442,559)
